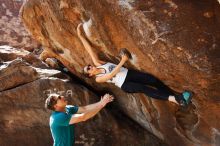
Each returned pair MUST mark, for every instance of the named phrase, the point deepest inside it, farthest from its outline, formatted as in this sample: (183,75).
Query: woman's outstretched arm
(109,76)
(88,47)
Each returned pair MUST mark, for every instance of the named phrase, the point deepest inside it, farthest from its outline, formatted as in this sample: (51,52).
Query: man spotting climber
(64,117)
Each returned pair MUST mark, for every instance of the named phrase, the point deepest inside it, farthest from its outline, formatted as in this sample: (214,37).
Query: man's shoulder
(56,115)
(59,118)
(70,106)
(71,109)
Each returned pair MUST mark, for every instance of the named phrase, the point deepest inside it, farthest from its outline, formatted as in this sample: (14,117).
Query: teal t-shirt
(62,132)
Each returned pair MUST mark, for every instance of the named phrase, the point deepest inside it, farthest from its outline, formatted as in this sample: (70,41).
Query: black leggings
(139,82)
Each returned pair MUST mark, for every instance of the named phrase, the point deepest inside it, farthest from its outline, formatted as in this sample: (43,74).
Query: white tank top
(119,78)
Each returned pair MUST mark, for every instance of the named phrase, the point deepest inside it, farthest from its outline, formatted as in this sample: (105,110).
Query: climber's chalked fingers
(124,51)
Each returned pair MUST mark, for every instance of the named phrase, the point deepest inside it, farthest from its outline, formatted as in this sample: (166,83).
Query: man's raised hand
(106,99)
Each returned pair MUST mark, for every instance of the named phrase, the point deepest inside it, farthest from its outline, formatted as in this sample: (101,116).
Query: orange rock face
(176,41)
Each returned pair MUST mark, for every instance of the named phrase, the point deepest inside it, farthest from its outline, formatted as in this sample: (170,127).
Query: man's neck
(61,109)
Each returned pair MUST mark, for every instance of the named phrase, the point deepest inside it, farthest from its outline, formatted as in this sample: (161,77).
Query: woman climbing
(130,81)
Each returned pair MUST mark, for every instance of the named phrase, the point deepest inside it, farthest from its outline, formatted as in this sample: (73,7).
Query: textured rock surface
(16,73)
(24,121)
(12,31)
(176,41)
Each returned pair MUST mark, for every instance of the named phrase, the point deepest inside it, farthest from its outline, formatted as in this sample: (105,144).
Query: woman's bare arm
(109,76)
(88,47)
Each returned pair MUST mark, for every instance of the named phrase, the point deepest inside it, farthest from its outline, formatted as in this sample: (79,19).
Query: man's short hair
(51,101)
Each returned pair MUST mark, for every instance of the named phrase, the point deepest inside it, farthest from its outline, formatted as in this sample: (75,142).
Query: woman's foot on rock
(185,98)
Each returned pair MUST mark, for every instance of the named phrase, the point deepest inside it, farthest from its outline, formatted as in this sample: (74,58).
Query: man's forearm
(93,110)
(91,113)
(93,106)
(76,118)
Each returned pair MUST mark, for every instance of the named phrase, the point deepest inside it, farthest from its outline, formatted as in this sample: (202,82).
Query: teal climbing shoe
(186,97)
